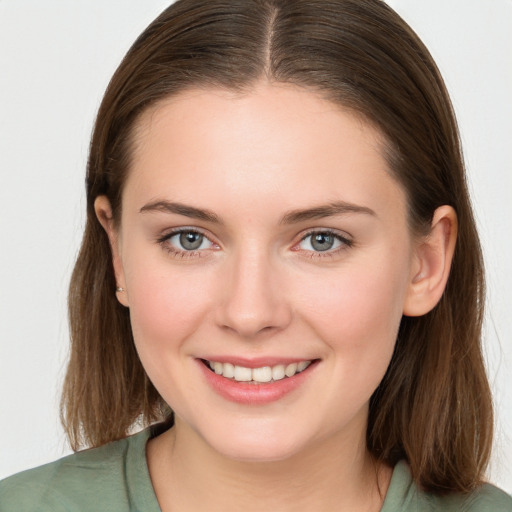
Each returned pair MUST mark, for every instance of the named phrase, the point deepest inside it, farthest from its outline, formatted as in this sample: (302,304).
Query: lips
(256,382)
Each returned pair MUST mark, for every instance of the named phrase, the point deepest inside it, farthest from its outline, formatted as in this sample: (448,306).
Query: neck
(334,474)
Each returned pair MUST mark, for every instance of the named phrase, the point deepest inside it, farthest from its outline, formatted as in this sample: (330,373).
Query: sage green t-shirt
(115,478)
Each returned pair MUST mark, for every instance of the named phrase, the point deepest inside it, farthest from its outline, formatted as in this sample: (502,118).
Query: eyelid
(164,239)
(346,242)
(182,229)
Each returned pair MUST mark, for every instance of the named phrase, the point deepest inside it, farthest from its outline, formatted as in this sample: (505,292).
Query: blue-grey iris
(322,241)
(190,240)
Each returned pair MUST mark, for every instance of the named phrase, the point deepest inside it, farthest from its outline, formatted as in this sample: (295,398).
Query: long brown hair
(433,407)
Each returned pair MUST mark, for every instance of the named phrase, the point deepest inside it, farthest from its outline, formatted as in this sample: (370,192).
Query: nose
(253,298)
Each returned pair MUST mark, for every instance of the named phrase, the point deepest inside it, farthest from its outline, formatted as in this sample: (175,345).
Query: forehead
(275,141)
(271,106)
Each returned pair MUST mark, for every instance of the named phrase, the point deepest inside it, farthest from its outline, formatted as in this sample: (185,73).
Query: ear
(432,261)
(103,211)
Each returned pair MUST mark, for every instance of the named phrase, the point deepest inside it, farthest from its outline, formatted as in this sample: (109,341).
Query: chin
(258,452)
(256,446)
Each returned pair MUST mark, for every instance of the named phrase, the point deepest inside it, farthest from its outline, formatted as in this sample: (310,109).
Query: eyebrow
(181,209)
(292,217)
(328,210)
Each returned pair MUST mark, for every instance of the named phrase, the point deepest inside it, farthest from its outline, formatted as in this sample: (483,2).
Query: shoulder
(404,495)
(65,484)
(485,498)
(95,479)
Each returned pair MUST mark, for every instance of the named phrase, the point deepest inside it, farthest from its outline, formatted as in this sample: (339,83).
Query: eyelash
(182,254)
(345,243)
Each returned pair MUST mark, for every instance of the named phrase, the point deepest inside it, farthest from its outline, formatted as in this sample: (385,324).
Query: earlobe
(433,258)
(103,211)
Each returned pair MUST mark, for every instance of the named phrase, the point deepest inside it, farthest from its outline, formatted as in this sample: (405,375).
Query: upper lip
(256,362)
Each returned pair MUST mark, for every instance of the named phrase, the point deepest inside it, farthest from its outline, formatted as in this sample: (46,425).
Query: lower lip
(254,394)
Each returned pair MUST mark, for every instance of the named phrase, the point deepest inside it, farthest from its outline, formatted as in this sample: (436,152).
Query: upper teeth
(263,374)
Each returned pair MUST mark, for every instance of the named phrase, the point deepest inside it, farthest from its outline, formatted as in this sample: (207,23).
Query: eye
(323,241)
(187,240)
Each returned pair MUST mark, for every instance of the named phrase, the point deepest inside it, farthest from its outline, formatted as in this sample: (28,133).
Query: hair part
(433,407)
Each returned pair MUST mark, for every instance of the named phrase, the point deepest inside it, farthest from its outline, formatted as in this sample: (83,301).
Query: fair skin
(292,246)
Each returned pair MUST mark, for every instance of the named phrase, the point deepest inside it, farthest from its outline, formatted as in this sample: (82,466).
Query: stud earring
(119,289)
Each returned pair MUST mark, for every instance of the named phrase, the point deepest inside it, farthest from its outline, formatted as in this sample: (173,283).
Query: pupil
(322,242)
(191,241)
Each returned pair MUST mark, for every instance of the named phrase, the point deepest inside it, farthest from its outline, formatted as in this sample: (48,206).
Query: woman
(319,353)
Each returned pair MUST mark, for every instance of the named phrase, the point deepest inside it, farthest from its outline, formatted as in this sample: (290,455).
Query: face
(266,259)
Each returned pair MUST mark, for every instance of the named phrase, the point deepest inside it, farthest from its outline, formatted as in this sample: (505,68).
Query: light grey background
(56,58)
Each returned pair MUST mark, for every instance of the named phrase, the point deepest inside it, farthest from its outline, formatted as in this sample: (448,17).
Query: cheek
(166,308)
(358,302)
(357,314)
(358,320)
(166,305)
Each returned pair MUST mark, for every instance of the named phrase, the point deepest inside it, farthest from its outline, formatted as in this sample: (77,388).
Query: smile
(256,382)
(262,374)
